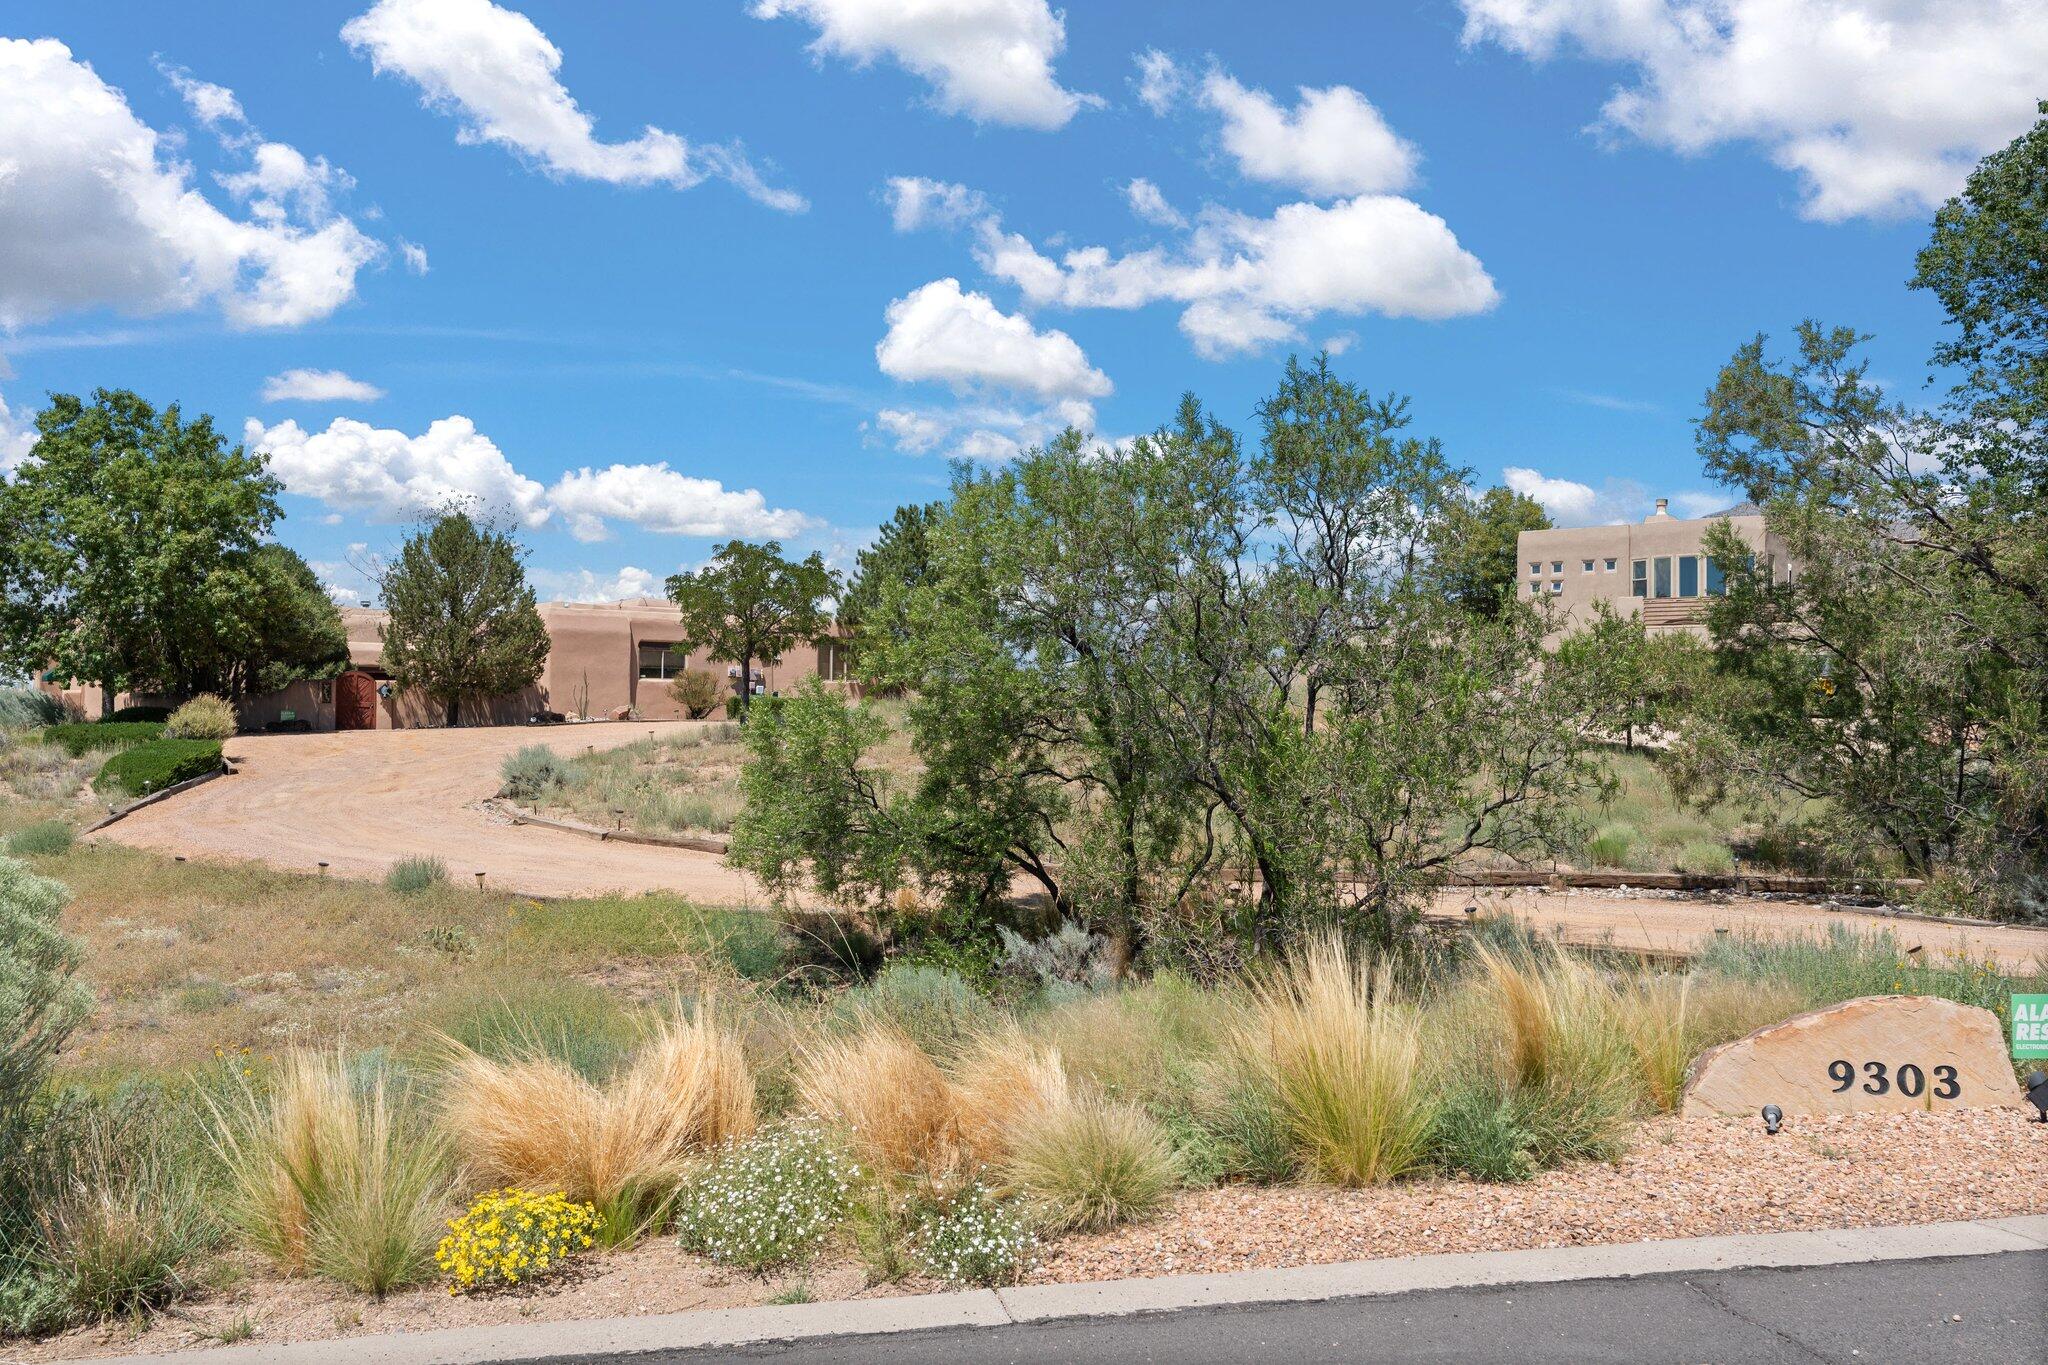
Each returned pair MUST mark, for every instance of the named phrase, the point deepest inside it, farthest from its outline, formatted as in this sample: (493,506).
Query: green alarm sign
(2030,1026)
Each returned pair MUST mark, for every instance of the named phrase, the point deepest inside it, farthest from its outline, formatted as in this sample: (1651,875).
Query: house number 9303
(1878,1079)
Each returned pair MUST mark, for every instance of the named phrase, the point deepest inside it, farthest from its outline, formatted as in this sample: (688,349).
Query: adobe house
(604,659)
(1657,569)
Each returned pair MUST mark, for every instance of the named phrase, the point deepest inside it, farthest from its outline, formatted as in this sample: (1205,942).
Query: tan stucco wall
(592,668)
(1563,580)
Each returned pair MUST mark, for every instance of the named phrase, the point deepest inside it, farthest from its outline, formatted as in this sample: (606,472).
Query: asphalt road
(1966,1309)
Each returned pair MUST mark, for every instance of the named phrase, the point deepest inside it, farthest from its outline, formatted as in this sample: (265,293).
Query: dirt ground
(1681,1179)
(363,800)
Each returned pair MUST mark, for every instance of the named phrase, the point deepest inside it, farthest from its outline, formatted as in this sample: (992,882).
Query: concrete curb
(724,1328)
(700,843)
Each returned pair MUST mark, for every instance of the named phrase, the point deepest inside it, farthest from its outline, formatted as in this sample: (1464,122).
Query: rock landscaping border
(700,843)
(224,770)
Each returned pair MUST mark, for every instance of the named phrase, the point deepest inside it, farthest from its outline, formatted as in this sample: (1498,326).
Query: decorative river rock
(1880,1053)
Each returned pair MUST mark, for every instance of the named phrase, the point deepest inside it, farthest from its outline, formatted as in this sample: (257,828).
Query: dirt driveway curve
(363,800)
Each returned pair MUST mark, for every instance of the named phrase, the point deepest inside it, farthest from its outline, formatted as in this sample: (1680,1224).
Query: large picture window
(662,661)
(1662,570)
(1688,576)
(1639,578)
(1717,582)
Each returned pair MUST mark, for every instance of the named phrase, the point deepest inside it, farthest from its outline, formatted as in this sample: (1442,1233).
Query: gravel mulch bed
(1700,1178)
(1688,1179)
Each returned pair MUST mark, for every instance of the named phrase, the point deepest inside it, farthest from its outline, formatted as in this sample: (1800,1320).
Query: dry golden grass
(1003,1079)
(534,1123)
(1344,1058)
(896,1107)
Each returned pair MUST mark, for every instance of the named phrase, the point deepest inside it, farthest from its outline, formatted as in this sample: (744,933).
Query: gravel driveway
(360,801)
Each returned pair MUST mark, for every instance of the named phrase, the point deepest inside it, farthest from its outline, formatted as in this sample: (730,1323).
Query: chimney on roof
(1663,510)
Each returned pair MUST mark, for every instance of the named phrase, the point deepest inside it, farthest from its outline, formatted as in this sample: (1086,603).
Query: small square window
(1587,566)
(1535,566)
(1557,566)
(1557,585)
(1610,566)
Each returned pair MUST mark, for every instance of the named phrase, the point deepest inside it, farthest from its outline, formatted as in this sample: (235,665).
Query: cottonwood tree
(263,624)
(128,547)
(751,603)
(463,624)
(1478,554)
(1178,674)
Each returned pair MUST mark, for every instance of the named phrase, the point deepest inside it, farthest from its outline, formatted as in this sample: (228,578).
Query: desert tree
(462,621)
(751,603)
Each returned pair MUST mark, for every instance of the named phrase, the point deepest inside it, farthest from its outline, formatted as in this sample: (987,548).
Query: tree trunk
(454,712)
(106,699)
(746,686)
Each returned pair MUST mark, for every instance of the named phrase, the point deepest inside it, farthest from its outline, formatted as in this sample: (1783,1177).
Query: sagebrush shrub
(512,1237)
(697,692)
(935,1008)
(533,772)
(23,708)
(204,717)
(769,1200)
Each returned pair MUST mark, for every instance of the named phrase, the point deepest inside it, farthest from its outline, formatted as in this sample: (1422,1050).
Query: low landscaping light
(479,881)
(323,869)
(1774,1119)
(2037,1094)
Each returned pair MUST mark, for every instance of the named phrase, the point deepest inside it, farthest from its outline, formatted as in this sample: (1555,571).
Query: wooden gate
(355,702)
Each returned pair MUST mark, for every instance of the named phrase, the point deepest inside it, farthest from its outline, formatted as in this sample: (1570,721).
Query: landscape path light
(1774,1119)
(479,882)
(2037,1094)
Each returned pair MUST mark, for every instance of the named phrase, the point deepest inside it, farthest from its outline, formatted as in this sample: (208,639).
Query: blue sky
(642,276)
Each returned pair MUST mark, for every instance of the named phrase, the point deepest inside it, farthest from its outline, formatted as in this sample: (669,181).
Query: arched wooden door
(355,702)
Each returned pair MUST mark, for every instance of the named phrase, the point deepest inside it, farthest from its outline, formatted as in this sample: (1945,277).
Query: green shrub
(1708,857)
(973,1238)
(534,772)
(153,714)
(204,717)
(1613,846)
(158,764)
(411,876)
(770,1200)
(43,839)
(1090,1165)
(1478,1132)
(80,738)
(25,708)
(933,1007)
(697,692)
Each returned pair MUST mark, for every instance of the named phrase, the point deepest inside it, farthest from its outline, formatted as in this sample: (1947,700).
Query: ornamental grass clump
(1564,1054)
(327,1172)
(533,1123)
(512,1237)
(1088,1164)
(893,1103)
(973,1238)
(770,1200)
(1005,1078)
(1342,1057)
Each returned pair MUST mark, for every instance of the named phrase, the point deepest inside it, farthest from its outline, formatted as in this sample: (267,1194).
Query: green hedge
(158,764)
(82,737)
(141,713)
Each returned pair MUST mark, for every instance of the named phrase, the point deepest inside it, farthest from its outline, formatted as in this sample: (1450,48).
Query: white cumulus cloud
(940,333)
(1572,503)
(415,256)
(588,585)
(1247,282)
(1333,142)
(95,212)
(991,60)
(915,202)
(17,438)
(495,70)
(1150,204)
(1879,107)
(386,475)
(656,498)
(318,386)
